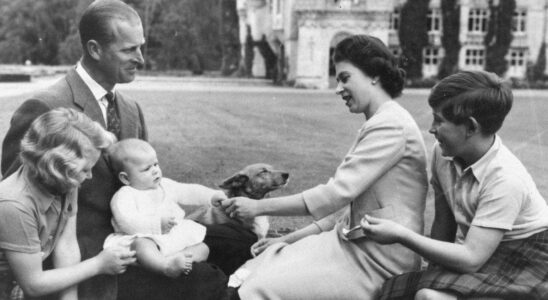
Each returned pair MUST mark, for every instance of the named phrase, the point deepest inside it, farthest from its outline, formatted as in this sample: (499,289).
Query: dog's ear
(235,181)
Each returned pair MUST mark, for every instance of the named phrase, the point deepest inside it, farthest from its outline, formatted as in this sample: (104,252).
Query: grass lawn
(205,135)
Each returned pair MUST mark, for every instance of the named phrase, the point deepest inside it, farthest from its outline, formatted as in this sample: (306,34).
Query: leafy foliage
(181,34)
(499,36)
(450,37)
(33,29)
(535,72)
(413,36)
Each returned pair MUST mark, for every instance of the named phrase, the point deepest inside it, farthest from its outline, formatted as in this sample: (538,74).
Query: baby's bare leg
(199,252)
(150,257)
(183,260)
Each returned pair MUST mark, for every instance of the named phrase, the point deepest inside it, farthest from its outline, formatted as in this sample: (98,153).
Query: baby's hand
(217,198)
(167,224)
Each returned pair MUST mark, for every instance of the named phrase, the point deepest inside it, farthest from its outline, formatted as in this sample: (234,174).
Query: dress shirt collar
(480,167)
(96,89)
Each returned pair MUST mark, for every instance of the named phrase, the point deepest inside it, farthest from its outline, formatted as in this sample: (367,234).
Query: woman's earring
(374,81)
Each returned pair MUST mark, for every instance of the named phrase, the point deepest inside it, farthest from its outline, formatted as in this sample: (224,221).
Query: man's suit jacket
(94,215)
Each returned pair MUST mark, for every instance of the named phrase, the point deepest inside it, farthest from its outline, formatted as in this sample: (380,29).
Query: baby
(147,215)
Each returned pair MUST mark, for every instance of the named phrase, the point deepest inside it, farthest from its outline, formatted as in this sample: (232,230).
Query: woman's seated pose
(383,174)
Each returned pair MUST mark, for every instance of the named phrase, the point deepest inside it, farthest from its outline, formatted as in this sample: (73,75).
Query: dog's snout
(285,176)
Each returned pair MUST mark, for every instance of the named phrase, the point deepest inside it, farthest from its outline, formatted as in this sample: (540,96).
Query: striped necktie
(113,120)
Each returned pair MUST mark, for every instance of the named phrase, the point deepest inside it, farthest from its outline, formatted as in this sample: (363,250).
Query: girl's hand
(114,260)
(240,207)
(167,224)
(262,244)
(382,231)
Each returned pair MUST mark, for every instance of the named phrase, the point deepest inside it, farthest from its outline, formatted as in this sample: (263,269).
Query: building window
(431,56)
(433,20)
(519,20)
(474,58)
(477,20)
(395,19)
(517,60)
(517,57)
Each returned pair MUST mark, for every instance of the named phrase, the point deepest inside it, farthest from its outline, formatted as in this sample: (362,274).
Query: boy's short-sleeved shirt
(31,220)
(494,192)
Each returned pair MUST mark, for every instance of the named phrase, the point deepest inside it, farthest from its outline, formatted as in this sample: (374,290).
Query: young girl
(38,209)
(489,237)
(146,211)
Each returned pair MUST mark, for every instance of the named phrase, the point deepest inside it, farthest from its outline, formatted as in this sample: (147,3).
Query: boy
(146,213)
(489,237)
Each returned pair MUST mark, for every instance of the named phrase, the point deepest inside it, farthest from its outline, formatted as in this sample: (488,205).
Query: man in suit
(111,33)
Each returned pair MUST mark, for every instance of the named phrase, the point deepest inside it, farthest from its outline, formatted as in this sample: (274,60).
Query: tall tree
(33,29)
(184,34)
(413,35)
(537,70)
(450,37)
(229,35)
(499,35)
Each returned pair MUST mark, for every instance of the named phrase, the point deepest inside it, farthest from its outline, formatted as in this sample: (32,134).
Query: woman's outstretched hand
(240,207)
(382,231)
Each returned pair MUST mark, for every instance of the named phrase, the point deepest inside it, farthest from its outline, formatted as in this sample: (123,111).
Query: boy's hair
(55,141)
(125,152)
(478,94)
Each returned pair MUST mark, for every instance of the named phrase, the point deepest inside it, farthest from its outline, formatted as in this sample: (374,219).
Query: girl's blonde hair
(55,141)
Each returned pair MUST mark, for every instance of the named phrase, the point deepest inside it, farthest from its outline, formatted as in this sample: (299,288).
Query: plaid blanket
(517,270)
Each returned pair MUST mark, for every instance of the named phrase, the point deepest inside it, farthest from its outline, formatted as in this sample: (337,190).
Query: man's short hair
(478,94)
(95,21)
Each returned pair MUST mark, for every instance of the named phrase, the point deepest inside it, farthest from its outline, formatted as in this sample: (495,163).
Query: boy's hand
(167,224)
(382,231)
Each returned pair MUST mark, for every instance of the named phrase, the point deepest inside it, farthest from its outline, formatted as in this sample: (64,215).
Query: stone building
(302,33)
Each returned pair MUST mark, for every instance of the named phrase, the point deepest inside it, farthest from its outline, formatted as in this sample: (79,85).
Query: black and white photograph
(273,149)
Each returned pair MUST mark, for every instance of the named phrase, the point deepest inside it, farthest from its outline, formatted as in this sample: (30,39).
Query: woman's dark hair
(372,57)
